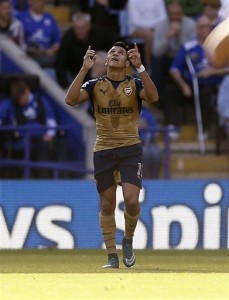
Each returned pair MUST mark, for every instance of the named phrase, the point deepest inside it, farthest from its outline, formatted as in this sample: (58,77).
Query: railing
(72,166)
(55,166)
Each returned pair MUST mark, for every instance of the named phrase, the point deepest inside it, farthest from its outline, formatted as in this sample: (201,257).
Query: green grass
(90,261)
(77,274)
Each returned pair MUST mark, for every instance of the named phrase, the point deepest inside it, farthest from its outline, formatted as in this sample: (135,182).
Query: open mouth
(114,59)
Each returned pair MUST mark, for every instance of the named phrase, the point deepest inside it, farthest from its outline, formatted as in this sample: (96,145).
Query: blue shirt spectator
(42,35)
(9,25)
(147,121)
(194,50)
(29,115)
(20,5)
(179,93)
(152,154)
(28,110)
(41,32)
(32,112)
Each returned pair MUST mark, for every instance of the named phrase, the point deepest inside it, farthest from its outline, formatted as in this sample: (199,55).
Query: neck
(116,74)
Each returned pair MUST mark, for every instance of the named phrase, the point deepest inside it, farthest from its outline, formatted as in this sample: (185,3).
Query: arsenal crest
(127,90)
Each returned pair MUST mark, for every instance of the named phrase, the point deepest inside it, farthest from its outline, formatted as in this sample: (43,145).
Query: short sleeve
(88,86)
(139,85)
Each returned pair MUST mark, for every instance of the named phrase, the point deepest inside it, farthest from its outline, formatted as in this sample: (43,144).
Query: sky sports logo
(171,226)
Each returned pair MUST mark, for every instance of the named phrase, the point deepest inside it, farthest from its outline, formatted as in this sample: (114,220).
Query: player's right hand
(89,59)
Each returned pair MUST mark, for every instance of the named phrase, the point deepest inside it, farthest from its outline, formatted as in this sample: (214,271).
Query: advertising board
(175,214)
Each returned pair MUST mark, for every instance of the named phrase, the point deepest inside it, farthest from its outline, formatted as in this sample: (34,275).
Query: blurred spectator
(169,35)
(73,46)
(99,68)
(152,154)
(20,5)
(211,10)
(10,25)
(223,104)
(29,110)
(192,8)
(112,4)
(105,16)
(42,35)
(179,93)
(224,9)
(143,16)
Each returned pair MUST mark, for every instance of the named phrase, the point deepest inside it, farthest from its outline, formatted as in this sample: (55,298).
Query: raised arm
(75,93)
(149,93)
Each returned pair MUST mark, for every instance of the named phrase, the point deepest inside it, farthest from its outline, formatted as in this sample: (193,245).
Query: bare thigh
(131,196)
(108,201)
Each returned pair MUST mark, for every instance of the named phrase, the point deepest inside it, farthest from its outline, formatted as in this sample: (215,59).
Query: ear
(106,62)
(127,63)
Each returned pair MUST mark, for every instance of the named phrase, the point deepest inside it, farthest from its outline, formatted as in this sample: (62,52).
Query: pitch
(77,274)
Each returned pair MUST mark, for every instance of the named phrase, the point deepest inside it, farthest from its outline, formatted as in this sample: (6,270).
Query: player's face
(117,57)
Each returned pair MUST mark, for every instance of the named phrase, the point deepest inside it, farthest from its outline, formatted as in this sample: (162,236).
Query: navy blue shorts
(118,165)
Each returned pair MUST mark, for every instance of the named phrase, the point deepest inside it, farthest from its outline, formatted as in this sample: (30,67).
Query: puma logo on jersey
(102,91)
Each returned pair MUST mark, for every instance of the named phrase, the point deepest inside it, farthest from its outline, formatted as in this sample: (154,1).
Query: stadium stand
(14,60)
(186,161)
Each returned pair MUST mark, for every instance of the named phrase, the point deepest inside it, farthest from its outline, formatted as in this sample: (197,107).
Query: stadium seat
(62,14)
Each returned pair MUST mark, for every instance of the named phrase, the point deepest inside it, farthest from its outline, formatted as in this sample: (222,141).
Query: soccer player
(116,99)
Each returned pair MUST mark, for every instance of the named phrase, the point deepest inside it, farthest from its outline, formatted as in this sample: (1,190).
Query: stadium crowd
(167,33)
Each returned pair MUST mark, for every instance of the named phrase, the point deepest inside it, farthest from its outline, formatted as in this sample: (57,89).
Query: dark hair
(212,3)
(3,1)
(175,2)
(122,44)
(17,88)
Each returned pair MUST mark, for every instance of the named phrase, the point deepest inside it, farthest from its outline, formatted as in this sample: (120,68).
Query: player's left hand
(135,56)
